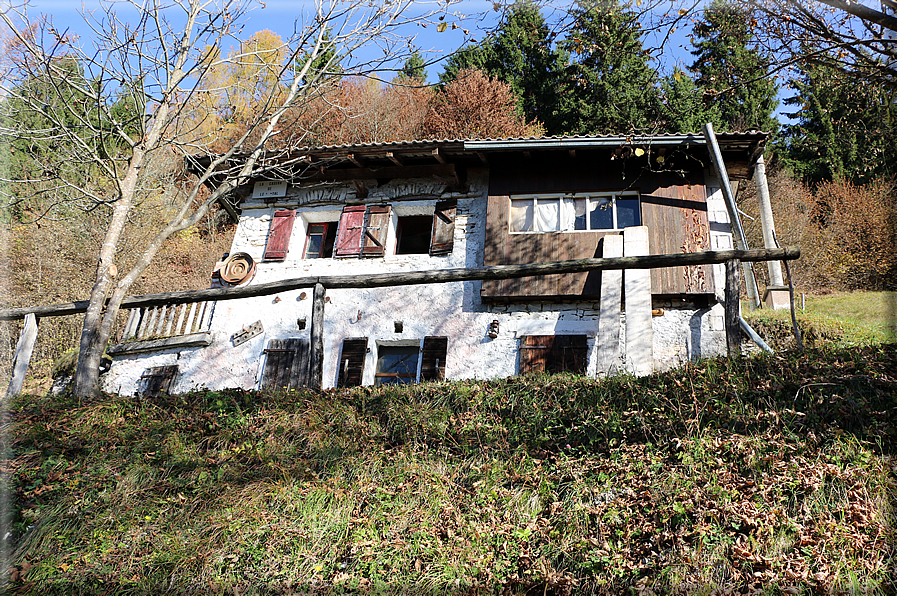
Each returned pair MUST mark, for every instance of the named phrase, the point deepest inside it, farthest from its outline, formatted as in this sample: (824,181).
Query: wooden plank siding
(674,210)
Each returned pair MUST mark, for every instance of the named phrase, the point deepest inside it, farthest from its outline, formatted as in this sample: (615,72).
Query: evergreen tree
(610,86)
(414,68)
(520,53)
(846,128)
(731,73)
(682,107)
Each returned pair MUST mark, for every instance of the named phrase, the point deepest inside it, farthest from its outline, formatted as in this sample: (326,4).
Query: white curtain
(547,216)
(522,215)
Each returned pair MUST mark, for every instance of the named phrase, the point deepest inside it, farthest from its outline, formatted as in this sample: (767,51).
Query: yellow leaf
(441,27)
(682,11)
(639,152)
(65,566)
(660,159)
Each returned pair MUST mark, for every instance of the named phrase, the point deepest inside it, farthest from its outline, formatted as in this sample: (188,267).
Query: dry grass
(767,474)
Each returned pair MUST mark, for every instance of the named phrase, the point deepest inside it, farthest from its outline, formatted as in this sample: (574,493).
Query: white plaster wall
(453,310)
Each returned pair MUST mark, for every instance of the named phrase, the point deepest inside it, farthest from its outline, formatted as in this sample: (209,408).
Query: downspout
(740,239)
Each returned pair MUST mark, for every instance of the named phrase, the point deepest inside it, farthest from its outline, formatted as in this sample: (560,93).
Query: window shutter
(351,224)
(286,364)
(157,380)
(535,353)
(375,231)
(432,366)
(279,235)
(443,238)
(351,362)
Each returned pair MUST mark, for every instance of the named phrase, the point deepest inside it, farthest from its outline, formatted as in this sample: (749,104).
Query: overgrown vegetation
(771,474)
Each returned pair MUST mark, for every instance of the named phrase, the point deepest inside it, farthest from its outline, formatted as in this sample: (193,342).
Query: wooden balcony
(155,328)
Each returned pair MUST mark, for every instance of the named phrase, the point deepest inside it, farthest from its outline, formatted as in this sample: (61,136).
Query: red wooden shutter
(375,231)
(279,235)
(351,224)
(443,238)
(351,362)
(432,366)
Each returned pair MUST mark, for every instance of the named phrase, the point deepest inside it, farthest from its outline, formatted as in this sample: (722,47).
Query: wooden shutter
(375,231)
(443,237)
(432,365)
(286,364)
(535,352)
(279,235)
(553,353)
(351,224)
(157,380)
(351,362)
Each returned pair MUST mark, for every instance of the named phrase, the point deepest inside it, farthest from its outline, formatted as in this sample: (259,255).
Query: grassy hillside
(771,474)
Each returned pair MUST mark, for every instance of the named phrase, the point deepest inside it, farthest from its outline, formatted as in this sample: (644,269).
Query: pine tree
(846,128)
(414,68)
(520,53)
(610,86)
(682,106)
(731,73)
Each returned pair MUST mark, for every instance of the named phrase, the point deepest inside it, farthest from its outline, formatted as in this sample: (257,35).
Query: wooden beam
(191,340)
(316,357)
(394,159)
(355,160)
(572,153)
(733,324)
(20,362)
(438,157)
(426,171)
(483,158)
(380,280)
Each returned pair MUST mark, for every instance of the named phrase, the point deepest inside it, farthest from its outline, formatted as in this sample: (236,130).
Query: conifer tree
(846,127)
(520,53)
(682,107)
(610,86)
(732,73)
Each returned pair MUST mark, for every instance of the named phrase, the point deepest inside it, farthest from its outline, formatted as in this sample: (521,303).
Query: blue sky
(477,16)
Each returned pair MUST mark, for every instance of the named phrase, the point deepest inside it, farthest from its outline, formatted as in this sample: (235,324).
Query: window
(157,380)
(320,240)
(279,235)
(396,365)
(574,212)
(351,362)
(399,364)
(414,235)
(553,353)
(286,364)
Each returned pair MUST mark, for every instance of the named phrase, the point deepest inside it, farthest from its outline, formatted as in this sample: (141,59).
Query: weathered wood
(379,280)
(24,349)
(733,324)
(424,171)
(192,340)
(637,296)
(316,360)
(608,340)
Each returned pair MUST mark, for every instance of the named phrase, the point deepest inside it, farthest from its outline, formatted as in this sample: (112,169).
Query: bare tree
(855,37)
(122,108)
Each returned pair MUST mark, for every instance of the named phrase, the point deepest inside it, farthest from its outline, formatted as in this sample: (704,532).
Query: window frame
(328,227)
(589,197)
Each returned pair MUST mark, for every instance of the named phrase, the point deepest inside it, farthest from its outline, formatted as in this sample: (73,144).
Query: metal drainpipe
(740,240)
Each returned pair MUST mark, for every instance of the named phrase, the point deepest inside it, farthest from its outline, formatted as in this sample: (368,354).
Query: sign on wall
(267,189)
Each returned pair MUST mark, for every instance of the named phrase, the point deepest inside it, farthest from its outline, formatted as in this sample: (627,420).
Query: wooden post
(20,362)
(316,361)
(733,324)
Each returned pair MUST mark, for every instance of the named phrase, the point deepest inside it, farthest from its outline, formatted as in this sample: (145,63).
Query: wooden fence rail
(376,280)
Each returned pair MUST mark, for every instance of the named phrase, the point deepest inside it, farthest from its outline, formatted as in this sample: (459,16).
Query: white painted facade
(454,310)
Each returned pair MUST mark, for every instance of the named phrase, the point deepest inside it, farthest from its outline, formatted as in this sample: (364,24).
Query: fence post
(316,362)
(733,325)
(20,362)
